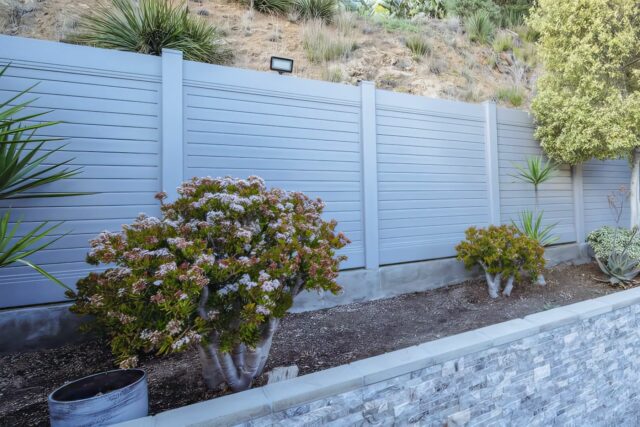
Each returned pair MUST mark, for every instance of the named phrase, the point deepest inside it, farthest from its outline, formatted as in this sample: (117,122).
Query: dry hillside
(452,67)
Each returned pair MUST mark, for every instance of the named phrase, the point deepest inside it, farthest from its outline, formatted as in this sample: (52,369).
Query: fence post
(491,160)
(172,163)
(369,173)
(578,201)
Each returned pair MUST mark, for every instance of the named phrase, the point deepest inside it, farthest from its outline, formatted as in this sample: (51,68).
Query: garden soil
(313,341)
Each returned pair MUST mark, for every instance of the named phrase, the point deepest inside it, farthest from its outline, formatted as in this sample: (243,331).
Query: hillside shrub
(321,44)
(323,10)
(410,8)
(277,7)
(148,26)
(514,95)
(418,45)
(217,271)
(479,27)
(503,253)
(467,8)
(503,43)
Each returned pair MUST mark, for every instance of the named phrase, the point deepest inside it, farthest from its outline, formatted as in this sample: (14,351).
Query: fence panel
(601,178)
(555,197)
(296,134)
(108,102)
(432,180)
(427,165)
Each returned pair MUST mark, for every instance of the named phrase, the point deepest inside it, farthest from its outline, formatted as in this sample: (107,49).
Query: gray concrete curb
(244,406)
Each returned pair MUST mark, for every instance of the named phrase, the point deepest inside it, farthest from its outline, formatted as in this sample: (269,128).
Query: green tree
(587,103)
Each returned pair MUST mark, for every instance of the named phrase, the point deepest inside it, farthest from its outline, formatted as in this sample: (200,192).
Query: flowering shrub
(219,269)
(502,252)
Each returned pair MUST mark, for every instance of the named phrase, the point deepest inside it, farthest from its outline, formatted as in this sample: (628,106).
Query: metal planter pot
(100,400)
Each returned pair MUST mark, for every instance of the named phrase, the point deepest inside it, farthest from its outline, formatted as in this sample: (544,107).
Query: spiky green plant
(279,7)
(23,167)
(536,171)
(480,27)
(418,45)
(530,224)
(148,26)
(16,249)
(323,10)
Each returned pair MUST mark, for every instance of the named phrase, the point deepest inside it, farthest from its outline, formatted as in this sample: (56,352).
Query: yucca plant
(323,10)
(148,26)
(278,7)
(25,166)
(480,27)
(16,249)
(530,224)
(536,172)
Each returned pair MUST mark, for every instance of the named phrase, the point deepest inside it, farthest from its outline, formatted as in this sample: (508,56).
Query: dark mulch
(313,340)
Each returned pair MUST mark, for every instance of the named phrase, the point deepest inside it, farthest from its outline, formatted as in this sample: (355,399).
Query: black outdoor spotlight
(281,65)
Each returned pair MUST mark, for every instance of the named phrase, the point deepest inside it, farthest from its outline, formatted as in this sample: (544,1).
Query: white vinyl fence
(404,175)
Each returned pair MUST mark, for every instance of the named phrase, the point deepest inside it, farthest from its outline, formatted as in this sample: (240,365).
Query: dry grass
(322,44)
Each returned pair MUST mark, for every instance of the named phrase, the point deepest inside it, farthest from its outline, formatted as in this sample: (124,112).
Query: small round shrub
(323,10)
(148,26)
(502,252)
(221,266)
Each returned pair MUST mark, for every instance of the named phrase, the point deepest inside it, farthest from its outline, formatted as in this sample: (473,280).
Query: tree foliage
(587,103)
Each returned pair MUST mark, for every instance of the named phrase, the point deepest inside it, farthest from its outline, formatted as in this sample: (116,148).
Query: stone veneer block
(553,318)
(313,386)
(622,299)
(511,330)
(225,410)
(455,346)
(590,308)
(393,364)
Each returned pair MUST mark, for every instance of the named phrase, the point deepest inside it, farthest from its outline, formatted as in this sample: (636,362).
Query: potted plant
(217,271)
(102,399)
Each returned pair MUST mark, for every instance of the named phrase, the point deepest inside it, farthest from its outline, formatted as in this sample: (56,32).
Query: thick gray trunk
(493,284)
(634,189)
(508,287)
(239,367)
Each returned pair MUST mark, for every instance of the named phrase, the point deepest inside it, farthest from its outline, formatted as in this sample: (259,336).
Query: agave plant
(620,266)
(148,26)
(25,166)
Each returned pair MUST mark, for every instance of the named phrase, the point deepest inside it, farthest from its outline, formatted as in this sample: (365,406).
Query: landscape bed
(314,341)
